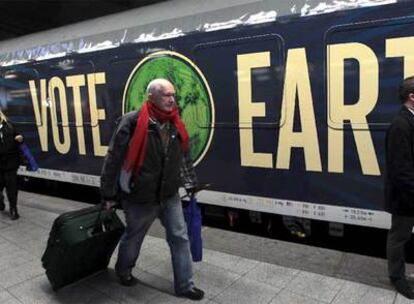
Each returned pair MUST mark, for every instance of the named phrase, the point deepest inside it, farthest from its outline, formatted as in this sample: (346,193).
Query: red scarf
(138,143)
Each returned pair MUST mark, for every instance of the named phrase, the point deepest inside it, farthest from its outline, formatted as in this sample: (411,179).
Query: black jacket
(162,173)
(399,173)
(10,155)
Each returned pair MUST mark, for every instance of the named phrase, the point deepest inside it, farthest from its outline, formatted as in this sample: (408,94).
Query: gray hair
(155,85)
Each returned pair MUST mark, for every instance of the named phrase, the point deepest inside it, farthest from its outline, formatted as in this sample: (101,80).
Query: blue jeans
(139,218)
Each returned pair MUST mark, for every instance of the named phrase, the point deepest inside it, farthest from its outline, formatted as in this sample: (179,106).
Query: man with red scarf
(147,160)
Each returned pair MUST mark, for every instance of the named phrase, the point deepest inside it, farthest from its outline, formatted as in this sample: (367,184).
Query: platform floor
(236,268)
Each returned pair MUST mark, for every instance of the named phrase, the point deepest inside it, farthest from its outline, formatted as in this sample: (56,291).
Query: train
(286,102)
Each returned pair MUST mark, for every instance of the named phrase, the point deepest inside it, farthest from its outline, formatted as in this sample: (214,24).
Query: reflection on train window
(192,95)
(366,63)
(15,97)
(69,90)
(123,66)
(253,75)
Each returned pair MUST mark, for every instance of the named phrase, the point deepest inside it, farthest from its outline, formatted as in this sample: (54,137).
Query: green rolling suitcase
(80,243)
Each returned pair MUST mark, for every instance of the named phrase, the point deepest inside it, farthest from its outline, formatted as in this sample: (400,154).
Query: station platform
(236,268)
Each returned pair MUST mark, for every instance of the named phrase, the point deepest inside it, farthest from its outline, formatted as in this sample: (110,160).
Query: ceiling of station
(22,17)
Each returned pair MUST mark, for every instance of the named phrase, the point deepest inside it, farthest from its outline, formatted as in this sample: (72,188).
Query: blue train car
(286,103)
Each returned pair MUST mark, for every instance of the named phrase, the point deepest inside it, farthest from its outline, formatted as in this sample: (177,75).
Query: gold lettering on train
(56,86)
(54,91)
(297,83)
(356,113)
(96,114)
(76,82)
(297,86)
(249,109)
(402,47)
(40,111)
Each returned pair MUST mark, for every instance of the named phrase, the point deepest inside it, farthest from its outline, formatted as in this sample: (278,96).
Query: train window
(15,96)
(137,72)
(73,90)
(248,78)
(122,67)
(366,63)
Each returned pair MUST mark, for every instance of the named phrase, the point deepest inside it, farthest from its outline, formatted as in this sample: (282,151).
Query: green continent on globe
(191,96)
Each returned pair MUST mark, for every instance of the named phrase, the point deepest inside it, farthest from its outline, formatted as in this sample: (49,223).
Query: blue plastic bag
(32,164)
(192,215)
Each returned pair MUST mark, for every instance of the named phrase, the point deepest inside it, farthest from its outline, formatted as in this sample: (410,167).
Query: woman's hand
(19,138)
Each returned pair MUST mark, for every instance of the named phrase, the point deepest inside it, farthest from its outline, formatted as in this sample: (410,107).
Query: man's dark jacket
(159,177)
(399,175)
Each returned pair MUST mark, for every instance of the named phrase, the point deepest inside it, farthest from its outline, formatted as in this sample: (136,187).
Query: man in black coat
(399,187)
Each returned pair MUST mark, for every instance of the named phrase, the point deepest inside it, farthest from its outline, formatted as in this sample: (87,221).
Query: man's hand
(18,138)
(108,205)
(191,192)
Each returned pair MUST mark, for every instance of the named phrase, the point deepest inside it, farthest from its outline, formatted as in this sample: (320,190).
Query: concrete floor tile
(35,247)
(150,242)
(273,275)
(351,293)
(21,273)
(37,217)
(4,223)
(12,301)
(12,259)
(23,233)
(6,297)
(163,270)
(170,299)
(245,291)
(378,296)
(47,203)
(381,282)
(5,217)
(213,280)
(38,291)
(166,299)
(400,299)
(319,260)
(148,260)
(363,269)
(232,263)
(315,286)
(3,240)
(152,281)
(107,283)
(288,297)
(7,248)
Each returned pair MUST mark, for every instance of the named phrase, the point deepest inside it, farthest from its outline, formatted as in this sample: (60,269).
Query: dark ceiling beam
(22,17)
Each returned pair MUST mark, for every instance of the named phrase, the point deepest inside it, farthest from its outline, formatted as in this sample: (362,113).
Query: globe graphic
(192,97)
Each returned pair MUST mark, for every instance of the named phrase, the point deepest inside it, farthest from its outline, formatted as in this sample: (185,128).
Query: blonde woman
(9,163)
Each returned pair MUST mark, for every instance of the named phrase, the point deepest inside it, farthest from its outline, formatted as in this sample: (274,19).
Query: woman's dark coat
(10,156)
